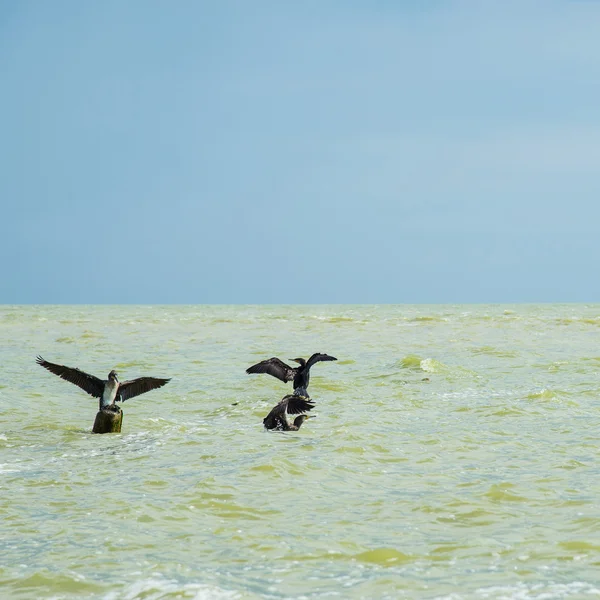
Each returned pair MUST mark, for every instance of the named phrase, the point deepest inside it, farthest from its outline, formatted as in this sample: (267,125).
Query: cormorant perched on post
(108,391)
(288,405)
(300,375)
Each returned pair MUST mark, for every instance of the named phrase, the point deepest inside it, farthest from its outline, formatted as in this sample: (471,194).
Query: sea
(455,454)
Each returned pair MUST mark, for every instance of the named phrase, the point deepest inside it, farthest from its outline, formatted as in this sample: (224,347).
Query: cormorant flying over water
(288,405)
(300,375)
(108,391)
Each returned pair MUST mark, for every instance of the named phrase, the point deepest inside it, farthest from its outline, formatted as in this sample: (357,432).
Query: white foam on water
(4,468)
(428,365)
(532,591)
(155,588)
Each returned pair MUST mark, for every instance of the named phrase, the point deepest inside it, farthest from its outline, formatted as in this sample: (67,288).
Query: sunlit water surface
(454,455)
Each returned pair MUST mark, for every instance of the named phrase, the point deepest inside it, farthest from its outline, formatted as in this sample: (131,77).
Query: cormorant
(288,405)
(108,391)
(300,375)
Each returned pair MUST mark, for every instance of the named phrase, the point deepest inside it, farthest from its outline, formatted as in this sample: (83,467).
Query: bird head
(300,361)
(112,376)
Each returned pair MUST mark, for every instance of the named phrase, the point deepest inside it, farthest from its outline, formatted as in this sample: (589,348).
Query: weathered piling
(108,420)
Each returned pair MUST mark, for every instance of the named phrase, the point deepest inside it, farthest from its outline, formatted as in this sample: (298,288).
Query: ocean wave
(528,591)
(155,588)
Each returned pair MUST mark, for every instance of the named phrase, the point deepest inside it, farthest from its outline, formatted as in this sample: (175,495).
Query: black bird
(300,375)
(108,391)
(288,405)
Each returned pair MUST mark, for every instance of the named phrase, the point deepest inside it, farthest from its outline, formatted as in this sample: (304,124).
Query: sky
(339,151)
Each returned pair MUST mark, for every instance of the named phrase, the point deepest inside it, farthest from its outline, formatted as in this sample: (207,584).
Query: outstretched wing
(296,405)
(88,383)
(274,366)
(141,385)
(290,404)
(318,357)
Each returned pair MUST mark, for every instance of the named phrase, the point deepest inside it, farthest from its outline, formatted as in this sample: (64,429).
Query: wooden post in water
(108,421)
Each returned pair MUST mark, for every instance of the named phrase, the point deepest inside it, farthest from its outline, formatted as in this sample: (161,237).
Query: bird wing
(274,420)
(88,383)
(318,357)
(274,366)
(296,405)
(141,385)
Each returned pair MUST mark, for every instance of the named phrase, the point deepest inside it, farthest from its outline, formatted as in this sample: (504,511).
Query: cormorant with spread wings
(288,405)
(108,391)
(299,375)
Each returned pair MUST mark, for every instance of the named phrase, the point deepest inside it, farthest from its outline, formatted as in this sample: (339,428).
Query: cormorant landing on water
(300,375)
(288,405)
(108,391)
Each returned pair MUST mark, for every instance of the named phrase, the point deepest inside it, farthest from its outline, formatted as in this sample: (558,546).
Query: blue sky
(299,152)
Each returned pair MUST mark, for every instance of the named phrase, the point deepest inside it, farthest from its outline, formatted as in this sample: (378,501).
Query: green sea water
(455,454)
